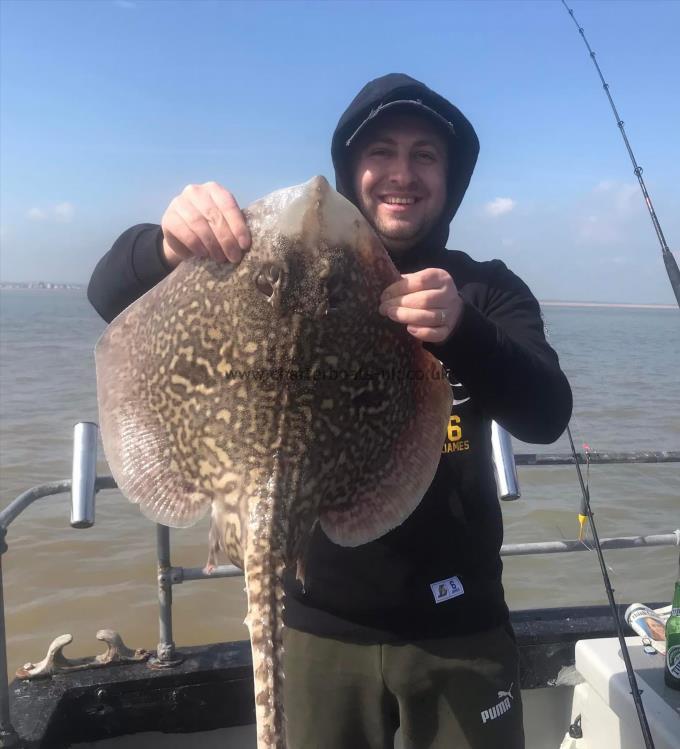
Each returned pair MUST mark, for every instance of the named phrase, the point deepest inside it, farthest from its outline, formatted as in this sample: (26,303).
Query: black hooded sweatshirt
(439,573)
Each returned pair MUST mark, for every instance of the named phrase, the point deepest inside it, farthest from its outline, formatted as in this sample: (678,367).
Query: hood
(463,146)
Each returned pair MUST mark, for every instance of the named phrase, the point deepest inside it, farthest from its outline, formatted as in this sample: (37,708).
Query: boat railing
(85,484)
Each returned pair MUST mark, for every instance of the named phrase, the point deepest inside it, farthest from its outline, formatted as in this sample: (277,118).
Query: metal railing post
(166,652)
(8,736)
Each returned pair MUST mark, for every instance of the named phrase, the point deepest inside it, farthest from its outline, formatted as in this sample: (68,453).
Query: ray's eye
(264,286)
(337,293)
(268,278)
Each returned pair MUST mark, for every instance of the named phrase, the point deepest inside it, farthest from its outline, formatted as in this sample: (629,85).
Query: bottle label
(673,661)
(675,612)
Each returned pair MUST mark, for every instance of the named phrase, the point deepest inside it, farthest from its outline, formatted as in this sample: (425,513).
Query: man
(412,629)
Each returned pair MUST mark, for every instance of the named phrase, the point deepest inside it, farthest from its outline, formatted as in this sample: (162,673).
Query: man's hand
(427,301)
(205,221)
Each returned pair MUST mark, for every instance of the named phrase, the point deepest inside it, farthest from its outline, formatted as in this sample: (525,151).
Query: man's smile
(399,199)
(398,204)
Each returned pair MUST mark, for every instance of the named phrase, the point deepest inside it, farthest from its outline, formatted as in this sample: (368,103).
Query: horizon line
(630,305)
(34,285)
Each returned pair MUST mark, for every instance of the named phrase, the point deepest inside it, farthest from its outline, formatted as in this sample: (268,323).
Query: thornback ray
(274,394)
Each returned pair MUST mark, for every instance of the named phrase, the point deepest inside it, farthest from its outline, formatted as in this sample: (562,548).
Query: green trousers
(452,693)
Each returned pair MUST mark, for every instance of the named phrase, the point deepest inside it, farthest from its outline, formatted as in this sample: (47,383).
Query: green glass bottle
(672,670)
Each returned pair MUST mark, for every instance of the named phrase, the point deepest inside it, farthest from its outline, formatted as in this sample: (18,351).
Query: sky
(108,108)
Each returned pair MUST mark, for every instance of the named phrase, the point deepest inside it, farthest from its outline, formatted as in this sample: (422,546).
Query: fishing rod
(668,258)
(586,512)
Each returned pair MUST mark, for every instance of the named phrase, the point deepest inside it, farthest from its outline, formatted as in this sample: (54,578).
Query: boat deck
(209,696)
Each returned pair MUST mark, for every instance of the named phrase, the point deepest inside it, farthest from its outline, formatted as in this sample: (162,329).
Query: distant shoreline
(41,286)
(610,305)
(49,286)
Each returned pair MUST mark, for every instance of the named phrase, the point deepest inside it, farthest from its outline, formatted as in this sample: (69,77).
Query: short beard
(400,240)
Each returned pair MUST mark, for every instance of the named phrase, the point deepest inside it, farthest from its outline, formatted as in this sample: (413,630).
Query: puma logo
(502,694)
(505,703)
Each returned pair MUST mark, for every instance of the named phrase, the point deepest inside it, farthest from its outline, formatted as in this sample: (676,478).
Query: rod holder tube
(84,474)
(504,463)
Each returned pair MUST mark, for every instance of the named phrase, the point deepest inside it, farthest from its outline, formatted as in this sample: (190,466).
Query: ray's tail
(264,573)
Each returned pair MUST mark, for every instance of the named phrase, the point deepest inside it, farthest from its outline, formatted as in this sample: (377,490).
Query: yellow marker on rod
(581,526)
(583,510)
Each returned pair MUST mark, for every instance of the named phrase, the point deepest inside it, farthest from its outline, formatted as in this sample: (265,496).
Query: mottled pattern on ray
(274,393)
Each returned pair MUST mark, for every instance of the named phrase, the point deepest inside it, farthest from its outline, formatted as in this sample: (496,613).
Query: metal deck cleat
(55,662)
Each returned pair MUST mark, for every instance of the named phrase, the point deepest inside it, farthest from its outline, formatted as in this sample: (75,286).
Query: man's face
(400,179)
